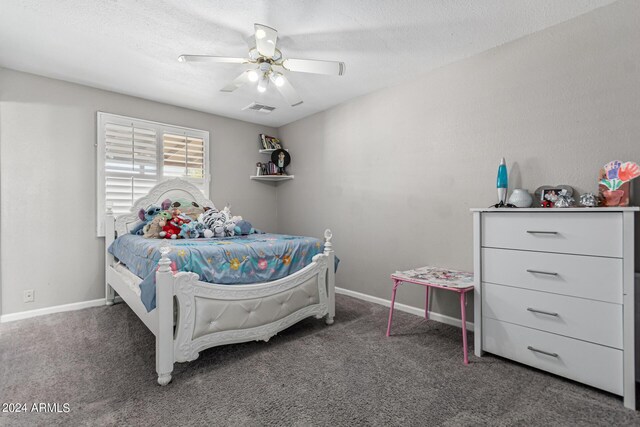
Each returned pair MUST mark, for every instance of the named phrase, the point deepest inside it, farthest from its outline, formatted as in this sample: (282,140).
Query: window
(134,155)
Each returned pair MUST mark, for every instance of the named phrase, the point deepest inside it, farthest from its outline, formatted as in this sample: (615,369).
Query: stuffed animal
(208,217)
(219,222)
(199,228)
(147,216)
(180,219)
(153,229)
(187,231)
(170,231)
(229,229)
(243,228)
(187,207)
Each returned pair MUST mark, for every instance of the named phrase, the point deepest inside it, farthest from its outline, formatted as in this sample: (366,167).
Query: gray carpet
(101,361)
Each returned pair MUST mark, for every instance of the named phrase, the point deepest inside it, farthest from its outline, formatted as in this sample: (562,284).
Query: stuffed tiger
(218,221)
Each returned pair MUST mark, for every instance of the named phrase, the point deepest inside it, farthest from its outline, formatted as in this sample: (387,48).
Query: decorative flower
(612,168)
(182,253)
(628,171)
(262,264)
(612,184)
(235,264)
(286,259)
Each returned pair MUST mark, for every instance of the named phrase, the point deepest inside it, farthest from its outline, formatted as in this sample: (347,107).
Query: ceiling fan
(269,63)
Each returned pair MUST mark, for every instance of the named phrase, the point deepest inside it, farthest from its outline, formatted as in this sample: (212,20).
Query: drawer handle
(548,313)
(548,273)
(542,352)
(541,232)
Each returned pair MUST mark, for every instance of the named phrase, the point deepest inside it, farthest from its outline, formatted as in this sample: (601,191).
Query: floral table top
(437,276)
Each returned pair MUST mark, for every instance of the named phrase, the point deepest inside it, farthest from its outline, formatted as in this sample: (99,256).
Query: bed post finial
(327,239)
(165,262)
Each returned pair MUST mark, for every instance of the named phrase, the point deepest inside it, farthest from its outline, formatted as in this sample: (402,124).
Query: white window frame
(161,129)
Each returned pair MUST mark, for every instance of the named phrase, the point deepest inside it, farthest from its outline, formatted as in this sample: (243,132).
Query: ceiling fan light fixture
(278,80)
(253,76)
(262,84)
(264,56)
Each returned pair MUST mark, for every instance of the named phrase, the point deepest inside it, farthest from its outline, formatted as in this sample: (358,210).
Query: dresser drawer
(582,276)
(592,364)
(588,320)
(598,233)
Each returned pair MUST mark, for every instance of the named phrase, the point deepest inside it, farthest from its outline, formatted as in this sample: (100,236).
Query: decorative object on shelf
(281,159)
(545,203)
(615,182)
(564,200)
(270,142)
(550,197)
(520,198)
(275,169)
(588,200)
(502,183)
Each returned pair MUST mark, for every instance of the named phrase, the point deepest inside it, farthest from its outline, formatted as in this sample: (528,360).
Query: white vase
(521,198)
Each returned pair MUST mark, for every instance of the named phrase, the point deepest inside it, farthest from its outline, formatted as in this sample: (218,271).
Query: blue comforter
(236,260)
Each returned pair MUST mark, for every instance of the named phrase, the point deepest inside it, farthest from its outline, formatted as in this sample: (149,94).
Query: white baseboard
(406,308)
(50,310)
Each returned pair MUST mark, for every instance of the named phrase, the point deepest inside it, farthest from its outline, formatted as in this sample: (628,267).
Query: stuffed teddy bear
(153,229)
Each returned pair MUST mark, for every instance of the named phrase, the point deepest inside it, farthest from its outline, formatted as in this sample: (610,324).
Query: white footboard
(210,315)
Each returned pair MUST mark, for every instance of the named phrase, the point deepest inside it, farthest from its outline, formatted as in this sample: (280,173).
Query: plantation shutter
(184,156)
(134,155)
(130,166)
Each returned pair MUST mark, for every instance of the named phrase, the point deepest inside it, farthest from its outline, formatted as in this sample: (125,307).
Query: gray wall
(48,183)
(394,173)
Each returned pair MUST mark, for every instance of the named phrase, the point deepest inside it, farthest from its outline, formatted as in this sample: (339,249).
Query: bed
(187,314)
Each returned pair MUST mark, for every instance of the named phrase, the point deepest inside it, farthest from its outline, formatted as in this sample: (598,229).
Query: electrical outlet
(28,295)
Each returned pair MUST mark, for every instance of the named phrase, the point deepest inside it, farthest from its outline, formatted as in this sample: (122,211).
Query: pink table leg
(426,303)
(463,315)
(393,301)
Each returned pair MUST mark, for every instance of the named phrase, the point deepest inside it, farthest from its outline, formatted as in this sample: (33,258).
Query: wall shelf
(269,151)
(272,178)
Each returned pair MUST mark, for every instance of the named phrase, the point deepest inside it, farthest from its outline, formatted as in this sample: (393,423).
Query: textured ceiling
(131,47)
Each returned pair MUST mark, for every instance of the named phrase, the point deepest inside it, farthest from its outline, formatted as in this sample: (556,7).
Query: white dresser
(555,290)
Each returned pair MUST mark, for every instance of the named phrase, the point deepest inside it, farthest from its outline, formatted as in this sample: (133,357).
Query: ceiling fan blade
(209,58)
(286,90)
(266,38)
(333,68)
(237,82)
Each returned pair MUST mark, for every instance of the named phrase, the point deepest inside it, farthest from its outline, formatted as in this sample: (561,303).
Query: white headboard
(176,188)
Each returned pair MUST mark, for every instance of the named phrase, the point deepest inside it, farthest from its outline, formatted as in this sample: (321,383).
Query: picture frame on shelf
(549,197)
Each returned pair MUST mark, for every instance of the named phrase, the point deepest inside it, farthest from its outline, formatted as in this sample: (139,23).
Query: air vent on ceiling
(254,106)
